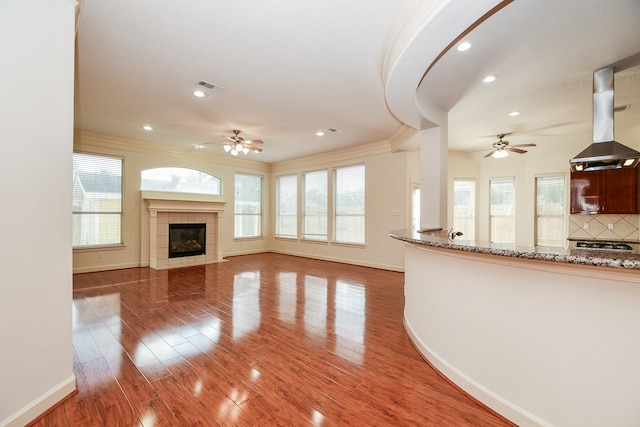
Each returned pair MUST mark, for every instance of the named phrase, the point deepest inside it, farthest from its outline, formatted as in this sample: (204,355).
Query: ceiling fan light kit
(500,153)
(502,148)
(236,144)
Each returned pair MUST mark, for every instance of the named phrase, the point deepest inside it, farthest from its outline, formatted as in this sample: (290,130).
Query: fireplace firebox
(187,240)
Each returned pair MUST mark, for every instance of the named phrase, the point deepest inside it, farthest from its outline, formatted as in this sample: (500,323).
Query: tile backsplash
(604,227)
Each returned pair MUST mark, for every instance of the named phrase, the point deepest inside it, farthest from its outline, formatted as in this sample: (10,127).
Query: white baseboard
(342,260)
(494,401)
(41,405)
(248,252)
(95,268)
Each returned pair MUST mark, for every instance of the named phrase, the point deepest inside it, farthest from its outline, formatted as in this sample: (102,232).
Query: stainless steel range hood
(604,153)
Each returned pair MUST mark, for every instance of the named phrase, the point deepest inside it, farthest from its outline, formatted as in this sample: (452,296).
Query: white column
(433,177)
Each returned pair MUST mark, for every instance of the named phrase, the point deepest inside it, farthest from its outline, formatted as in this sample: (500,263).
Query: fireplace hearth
(187,239)
(168,208)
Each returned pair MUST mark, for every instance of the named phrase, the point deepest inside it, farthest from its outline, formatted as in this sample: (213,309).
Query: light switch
(395,212)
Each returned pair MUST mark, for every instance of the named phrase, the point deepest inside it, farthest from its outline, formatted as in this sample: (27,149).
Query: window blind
(97,200)
(248,206)
(550,211)
(287,206)
(502,210)
(350,204)
(464,207)
(315,205)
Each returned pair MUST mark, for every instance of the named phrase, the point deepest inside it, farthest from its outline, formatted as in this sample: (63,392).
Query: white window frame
(337,216)
(239,215)
(415,206)
(180,180)
(559,239)
(280,215)
(91,233)
(508,218)
(466,224)
(305,235)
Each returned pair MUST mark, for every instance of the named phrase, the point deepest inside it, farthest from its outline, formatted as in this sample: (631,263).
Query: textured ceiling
(291,68)
(288,70)
(544,53)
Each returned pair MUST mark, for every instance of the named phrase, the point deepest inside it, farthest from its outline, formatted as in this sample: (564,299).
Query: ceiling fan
(501,148)
(236,144)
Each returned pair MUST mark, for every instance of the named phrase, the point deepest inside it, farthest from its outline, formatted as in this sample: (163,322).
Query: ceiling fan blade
(252,147)
(476,150)
(495,135)
(233,138)
(524,145)
(253,141)
(515,150)
(491,152)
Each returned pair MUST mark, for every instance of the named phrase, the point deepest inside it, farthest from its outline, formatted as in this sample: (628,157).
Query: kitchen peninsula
(544,336)
(587,257)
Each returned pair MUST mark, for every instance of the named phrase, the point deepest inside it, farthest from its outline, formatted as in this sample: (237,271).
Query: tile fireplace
(189,226)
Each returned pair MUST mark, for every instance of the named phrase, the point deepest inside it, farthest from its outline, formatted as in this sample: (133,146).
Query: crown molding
(85,141)
(345,154)
(401,136)
(89,141)
(78,5)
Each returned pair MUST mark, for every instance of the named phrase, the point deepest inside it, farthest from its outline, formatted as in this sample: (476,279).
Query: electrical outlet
(100,255)
(610,226)
(585,225)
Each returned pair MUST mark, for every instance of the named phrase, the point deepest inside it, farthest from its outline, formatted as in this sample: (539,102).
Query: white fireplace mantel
(165,208)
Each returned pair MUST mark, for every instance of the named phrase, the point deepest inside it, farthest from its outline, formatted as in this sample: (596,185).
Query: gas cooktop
(618,246)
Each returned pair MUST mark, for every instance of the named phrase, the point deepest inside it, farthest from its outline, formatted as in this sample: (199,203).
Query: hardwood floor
(261,340)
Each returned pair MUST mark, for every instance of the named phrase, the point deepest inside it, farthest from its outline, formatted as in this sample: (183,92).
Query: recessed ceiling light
(148,128)
(198,146)
(464,46)
(490,79)
(514,113)
(199,94)
(320,133)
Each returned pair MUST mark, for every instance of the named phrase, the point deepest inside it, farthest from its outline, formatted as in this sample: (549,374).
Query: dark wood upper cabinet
(612,191)
(585,192)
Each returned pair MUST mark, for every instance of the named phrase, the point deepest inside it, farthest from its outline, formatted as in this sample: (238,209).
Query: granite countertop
(605,258)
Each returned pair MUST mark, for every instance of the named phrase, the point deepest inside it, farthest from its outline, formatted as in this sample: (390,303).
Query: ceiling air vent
(212,86)
(333,130)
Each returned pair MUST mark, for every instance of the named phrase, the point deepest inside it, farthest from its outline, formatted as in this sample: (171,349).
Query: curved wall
(540,343)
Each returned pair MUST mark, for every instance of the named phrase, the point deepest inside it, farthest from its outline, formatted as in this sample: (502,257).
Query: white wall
(387,206)
(542,343)
(36,122)
(388,202)
(139,156)
(551,156)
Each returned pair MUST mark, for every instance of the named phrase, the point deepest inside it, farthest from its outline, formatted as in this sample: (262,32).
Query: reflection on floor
(260,340)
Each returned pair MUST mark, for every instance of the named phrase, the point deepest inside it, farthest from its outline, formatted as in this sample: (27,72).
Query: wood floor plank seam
(261,340)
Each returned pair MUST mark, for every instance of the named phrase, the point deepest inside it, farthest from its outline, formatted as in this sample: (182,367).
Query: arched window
(179,180)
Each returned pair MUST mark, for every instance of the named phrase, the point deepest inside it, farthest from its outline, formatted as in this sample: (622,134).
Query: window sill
(321,242)
(245,239)
(349,245)
(84,249)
